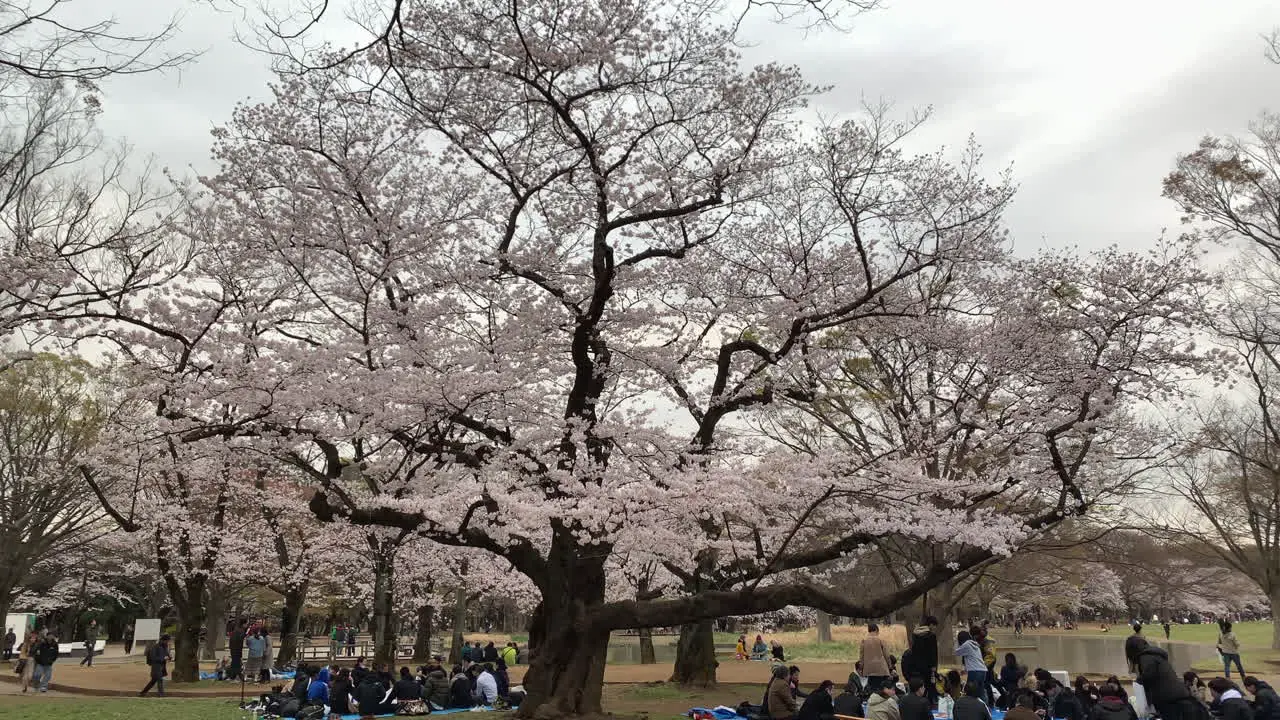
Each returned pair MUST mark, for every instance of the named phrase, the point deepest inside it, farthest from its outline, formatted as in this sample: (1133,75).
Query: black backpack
(311,712)
(289,707)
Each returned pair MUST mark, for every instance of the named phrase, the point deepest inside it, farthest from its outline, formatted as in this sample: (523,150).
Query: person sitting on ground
(459,689)
(1231,703)
(915,705)
(850,701)
(358,672)
(509,654)
(740,648)
(301,683)
(486,686)
(1011,674)
(1113,680)
(406,688)
(1196,687)
(1163,687)
(1112,705)
(970,705)
(220,670)
(340,694)
(778,700)
(466,653)
(793,679)
(1063,702)
(503,678)
(369,695)
(882,705)
(759,651)
(490,653)
(1087,693)
(318,689)
(855,683)
(436,685)
(1024,707)
(819,706)
(776,651)
(1266,703)
(952,689)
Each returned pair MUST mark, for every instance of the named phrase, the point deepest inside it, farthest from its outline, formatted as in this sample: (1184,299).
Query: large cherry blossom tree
(504,280)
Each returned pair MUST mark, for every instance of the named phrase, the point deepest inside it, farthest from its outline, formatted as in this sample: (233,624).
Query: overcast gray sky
(1089,100)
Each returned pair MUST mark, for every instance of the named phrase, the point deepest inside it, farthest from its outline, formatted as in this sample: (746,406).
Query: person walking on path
(9,641)
(875,659)
(90,643)
(25,664)
(1229,646)
(44,656)
(158,659)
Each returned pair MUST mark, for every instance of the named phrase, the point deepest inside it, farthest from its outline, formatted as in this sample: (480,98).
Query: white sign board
(146,629)
(20,624)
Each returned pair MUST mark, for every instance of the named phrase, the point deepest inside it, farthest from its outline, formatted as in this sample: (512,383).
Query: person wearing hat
(158,659)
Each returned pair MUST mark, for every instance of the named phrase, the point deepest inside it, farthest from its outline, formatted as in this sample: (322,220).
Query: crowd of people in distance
(875,690)
(319,691)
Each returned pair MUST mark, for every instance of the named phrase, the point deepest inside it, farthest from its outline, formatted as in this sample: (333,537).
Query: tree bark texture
(824,627)
(647,654)
(422,641)
(696,655)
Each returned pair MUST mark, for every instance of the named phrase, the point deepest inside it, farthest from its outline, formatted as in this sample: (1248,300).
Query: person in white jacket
(975,669)
(486,687)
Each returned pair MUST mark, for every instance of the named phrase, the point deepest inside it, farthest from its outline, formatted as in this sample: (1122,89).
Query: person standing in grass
(1229,646)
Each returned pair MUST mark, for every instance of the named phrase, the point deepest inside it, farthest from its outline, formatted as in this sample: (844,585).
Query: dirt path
(128,678)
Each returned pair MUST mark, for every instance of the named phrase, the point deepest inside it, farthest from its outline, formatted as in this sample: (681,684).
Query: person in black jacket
(43,656)
(848,703)
(369,695)
(340,694)
(1266,703)
(490,654)
(236,645)
(1087,693)
(1232,703)
(970,707)
(1164,689)
(301,681)
(1113,704)
(406,688)
(914,705)
(460,689)
(818,706)
(1063,702)
(158,659)
(922,656)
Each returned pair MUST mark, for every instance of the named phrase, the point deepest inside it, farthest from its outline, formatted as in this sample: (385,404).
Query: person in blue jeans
(44,655)
(975,670)
(1229,646)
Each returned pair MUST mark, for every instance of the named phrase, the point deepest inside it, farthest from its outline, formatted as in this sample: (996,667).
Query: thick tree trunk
(422,642)
(1275,620)
(384,632)
(647,655)
(295,600)
(459,625)
(696,655)
(568,652)
(186,660)
(824,627)
(215,622)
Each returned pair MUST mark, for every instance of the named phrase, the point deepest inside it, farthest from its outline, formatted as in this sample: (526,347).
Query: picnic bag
(414,707)
(311,712)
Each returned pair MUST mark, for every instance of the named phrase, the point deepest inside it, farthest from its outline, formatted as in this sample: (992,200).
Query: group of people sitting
(759,650)
(875,692)
(329,691)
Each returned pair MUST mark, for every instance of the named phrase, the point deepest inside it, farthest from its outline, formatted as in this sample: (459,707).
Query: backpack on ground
(289,707)
(311,712)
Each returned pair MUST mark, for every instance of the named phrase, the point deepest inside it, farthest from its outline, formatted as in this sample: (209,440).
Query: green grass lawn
(16,707)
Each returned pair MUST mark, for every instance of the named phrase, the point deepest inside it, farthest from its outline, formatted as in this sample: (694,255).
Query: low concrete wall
(1092,655)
